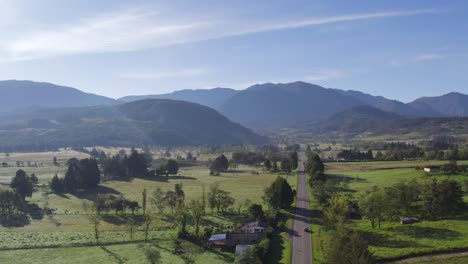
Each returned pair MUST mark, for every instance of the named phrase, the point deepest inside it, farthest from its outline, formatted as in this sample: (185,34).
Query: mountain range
(146,122)
(267,106)
(366,121)
(272,106)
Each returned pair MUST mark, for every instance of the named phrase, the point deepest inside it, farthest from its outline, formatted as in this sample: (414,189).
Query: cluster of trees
(434,200)
(437,149)
(346,245)
(121,165)
(13,201)
(11,207)
(248,157)
(314,167)
(354,154)
(109,202)
(135,165)
(219,199)
(81,174)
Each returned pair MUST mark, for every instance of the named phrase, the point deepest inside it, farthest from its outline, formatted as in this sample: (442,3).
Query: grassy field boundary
(90,244)
(424,254)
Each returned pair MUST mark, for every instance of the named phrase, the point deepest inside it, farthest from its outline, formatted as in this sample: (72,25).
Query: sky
(398,49)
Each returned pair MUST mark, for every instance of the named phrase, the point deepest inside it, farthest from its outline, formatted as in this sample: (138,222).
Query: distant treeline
(404,151)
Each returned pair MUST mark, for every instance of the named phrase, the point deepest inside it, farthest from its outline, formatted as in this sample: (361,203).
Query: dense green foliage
(279,194)
(22,184)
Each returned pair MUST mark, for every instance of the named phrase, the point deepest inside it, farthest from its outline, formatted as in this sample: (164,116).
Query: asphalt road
(301,240)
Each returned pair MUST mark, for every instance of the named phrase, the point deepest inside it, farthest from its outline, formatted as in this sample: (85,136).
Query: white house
(254,227)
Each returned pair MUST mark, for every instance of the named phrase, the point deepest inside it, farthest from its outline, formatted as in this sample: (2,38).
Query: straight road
(301,241)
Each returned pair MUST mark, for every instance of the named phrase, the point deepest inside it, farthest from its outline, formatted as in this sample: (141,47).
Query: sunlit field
(69,229)
(394,240)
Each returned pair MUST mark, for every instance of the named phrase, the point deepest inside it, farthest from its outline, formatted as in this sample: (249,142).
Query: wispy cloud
(324,75)
(158,74)
(429,57)
(138,29)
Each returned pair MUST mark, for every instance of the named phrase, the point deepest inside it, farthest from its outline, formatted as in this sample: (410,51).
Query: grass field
(70,229)
(394,240)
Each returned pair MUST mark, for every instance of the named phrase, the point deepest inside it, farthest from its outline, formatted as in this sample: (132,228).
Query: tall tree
(143,201)
(279,194)
(172,167)
(197,212)
(22,184)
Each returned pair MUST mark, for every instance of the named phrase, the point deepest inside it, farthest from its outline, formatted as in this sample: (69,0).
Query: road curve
(301,241)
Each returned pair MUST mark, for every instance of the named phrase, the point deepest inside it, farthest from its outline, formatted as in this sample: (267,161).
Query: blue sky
(398,49)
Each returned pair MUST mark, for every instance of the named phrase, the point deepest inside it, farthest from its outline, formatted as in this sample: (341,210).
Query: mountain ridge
(18,95)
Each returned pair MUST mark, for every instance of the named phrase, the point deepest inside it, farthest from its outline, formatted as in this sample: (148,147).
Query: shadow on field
(90,193)
(426,232)
(122,219)
(166,179)
(381,240)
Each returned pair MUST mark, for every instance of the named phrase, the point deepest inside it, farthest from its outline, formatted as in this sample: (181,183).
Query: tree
(181,217)
(337,211)
(148,222)
(373,206)
(55,162)
(245,203)
(267,165)
(172,167)
(143,201)
(294,160)
(197,211)
(256,211)
(131,227)
(137,164)
(22,184)
(56,185)
(11,203)
(224,200)
(212,196)
(157,199)
(82,174)
(314,164)
(151,253)
(95,220)
(286,165)
(180,194)
(279,194)
(442,198)
(346,246)
(171,200)
(221,163)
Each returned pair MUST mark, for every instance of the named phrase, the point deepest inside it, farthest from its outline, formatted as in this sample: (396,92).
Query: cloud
(137,29)
(324,75)
(429,57)
(156,75)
